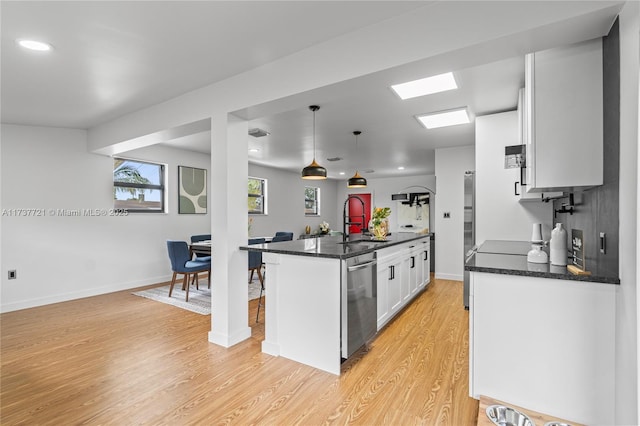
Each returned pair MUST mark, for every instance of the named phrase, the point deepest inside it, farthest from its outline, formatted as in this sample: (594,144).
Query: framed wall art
(192,190)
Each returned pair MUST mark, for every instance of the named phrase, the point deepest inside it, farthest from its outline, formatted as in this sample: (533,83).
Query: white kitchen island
(305,289)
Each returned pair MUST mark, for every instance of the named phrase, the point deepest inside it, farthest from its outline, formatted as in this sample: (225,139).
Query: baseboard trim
(452,277)
(66,297)
(228,340)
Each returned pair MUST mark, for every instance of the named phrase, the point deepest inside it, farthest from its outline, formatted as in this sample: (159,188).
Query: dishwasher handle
(361,266)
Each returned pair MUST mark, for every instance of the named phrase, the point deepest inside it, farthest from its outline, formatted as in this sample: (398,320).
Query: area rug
(199,300)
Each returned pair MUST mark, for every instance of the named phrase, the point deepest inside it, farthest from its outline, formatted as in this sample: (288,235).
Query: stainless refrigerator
(469,228)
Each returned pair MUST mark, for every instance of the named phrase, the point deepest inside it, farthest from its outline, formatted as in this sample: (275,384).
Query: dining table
(200,247)
(204,247)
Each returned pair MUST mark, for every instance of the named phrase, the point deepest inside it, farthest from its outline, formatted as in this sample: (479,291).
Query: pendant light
(314,170)
(357,181)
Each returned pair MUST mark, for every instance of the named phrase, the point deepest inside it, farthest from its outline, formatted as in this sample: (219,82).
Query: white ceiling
(114,58)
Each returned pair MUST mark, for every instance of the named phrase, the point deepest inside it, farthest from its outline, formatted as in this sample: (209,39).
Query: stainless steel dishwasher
(359,302)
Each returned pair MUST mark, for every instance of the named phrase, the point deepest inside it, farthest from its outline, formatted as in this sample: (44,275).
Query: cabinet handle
(515,188)
(390,272)
(426,255)
(413,262)
(522,177)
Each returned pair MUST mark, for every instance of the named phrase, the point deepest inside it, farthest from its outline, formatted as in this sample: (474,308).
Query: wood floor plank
(122,359)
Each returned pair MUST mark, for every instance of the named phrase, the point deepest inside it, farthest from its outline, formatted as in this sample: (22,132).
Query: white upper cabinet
(564,117)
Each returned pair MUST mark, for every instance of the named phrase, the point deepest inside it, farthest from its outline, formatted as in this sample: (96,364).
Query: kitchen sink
(506,416)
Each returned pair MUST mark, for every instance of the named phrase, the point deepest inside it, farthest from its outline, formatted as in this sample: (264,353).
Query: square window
(138,186)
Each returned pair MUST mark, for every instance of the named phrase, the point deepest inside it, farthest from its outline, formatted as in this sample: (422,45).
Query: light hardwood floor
(120,359)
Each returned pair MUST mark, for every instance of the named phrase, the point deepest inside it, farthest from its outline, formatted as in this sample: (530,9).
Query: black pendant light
(357,181)
(314,170)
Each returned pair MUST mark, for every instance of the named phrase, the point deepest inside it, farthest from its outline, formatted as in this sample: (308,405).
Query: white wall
(59,258)
(285,203)
(451,163)
(381,190)
(499,214)
(627,326)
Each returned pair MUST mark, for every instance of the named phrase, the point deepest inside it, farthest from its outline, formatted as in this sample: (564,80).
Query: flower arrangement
(324,227)
(380,222)
(380,214)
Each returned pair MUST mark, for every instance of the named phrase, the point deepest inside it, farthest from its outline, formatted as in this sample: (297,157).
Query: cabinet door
(565,117)
(426,265)
(384,274)
(414,271)
(405,275)
(395,286)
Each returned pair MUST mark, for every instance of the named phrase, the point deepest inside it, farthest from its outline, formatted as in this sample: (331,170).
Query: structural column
(229,288)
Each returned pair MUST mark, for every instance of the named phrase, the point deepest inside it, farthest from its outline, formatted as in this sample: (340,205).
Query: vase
(381,230)
(558,247)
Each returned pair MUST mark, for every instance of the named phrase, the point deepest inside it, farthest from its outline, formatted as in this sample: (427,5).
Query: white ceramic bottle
(558,246)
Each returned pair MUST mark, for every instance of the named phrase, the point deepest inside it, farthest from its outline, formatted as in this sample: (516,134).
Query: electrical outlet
(447,215)
(13,274)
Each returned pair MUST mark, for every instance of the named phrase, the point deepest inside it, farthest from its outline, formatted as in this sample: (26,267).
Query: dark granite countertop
(332,247)
(512,262)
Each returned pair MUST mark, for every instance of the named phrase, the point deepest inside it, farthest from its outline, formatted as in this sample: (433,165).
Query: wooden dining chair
(181,263)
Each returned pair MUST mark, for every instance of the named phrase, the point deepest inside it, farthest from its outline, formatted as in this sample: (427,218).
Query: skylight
(444,118)
(425,86)
(35,45)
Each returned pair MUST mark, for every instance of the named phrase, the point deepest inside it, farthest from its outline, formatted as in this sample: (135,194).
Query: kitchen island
(308,294)
(541,337)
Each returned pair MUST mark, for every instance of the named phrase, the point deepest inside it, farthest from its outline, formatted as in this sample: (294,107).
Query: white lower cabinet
(415,268)
(545,344)
(400,276)
(383,277)
(392,280)
(425,261)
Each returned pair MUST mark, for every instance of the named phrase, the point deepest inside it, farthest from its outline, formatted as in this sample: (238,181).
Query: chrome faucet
(346,218)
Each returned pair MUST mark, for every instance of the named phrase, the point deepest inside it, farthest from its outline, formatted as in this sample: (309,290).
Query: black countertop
(332,247)
(507,258)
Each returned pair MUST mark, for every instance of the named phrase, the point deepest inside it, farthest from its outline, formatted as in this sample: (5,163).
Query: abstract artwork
(192,190)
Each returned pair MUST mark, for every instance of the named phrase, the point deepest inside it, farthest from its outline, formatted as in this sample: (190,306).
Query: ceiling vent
(258,133)
(334,159)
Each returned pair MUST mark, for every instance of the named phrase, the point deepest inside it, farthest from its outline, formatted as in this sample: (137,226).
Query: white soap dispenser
(536,254)
(558,246)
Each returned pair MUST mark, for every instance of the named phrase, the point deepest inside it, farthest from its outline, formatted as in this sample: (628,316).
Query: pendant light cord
(357,133)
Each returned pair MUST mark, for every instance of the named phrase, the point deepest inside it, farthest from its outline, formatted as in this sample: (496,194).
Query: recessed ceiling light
(341,173)
(444,118)
(400,168)
(35,45)
(425,86)
(254,150)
